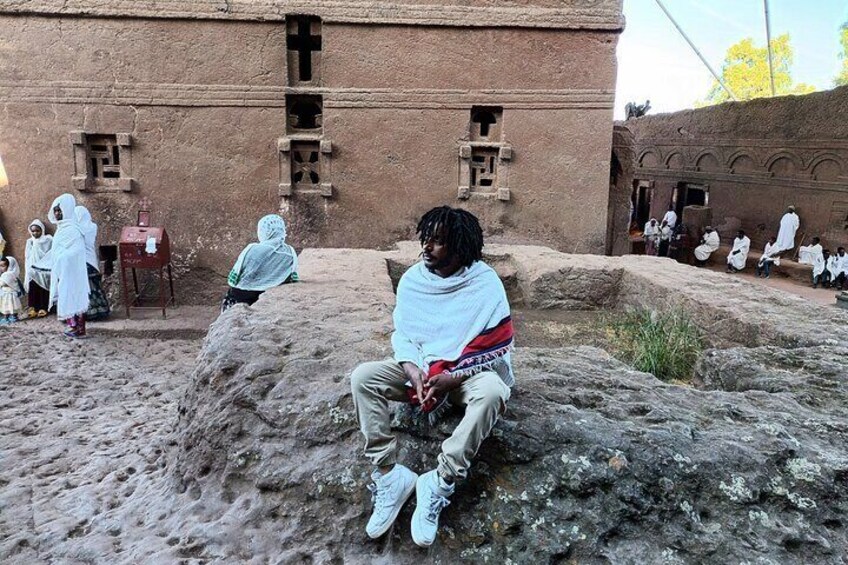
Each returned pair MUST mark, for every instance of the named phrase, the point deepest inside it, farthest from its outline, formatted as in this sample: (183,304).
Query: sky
(656,63)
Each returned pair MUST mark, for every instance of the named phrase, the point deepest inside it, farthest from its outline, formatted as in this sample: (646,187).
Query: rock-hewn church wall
(198,104)
(754,159)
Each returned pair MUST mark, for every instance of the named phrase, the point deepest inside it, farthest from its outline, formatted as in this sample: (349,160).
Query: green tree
(746,72)
(842,78)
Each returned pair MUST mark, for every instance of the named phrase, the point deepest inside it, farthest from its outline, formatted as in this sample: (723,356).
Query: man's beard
(441,264)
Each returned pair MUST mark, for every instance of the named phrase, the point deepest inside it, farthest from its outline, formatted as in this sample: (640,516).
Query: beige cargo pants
(374,384)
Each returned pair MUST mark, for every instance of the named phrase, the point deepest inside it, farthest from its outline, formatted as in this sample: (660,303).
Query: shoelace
(437,504)
(378,497)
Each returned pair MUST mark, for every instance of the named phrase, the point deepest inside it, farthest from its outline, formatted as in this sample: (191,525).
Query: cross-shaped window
(302,42)
(486,122)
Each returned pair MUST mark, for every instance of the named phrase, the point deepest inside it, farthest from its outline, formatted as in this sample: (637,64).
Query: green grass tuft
(665,344)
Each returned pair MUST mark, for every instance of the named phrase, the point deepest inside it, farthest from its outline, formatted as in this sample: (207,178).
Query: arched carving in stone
(649,158)
(827,167)
(708,161)
(742,162)
(784,163)
(675,161)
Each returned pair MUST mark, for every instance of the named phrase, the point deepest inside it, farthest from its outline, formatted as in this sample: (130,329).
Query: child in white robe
(11,291)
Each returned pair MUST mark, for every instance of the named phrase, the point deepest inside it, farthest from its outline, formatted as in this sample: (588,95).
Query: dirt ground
(82,425)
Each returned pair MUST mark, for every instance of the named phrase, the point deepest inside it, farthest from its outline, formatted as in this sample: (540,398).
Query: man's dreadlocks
(460,232)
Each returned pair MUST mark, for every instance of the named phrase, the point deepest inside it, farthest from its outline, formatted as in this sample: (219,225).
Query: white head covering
(36,250)
(14,268)
(69,277)
(89,233)
(12,274)
(268,263)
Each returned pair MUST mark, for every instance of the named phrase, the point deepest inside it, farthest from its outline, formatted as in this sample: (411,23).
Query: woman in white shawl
(263,265)
(37,283)
(11,291)
(98,307)
(709,243)
(66,264)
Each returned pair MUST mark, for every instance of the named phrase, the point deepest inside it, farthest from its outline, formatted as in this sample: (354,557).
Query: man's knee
(494,392)
(362,375)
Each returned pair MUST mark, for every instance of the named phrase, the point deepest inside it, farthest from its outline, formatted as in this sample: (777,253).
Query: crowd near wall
(747,161)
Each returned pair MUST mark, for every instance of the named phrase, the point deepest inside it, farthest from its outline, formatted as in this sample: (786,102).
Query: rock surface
(115,451)
(593,461)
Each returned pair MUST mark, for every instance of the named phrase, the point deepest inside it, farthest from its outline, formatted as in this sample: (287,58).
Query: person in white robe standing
(813,255)
(37,282)
(670,217)
(652,236)
(739,254)
(66,262)
(709,243)
(98,302)
(770,256)
(789,224)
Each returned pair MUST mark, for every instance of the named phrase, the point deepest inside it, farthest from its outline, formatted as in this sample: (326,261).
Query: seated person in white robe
(666,232)
(813,255)
(739,254)
(652,236)
(709,243)
(770,256)
(838,267)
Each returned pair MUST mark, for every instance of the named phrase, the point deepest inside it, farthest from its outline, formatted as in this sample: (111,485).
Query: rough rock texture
(593,461)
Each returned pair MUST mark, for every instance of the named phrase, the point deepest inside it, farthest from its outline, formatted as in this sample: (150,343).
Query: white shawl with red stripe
(459,325)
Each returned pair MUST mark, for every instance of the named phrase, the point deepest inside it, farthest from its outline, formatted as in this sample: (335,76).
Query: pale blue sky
(655,62)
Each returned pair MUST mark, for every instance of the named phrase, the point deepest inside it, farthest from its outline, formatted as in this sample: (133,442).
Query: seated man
(770,256)
(709,243)
(666,232)
(813,255)
(452,342)
(738,256)
(651,234)
(838,268)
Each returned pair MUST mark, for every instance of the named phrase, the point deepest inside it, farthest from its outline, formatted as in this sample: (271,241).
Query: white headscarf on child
(12,274)
(36,249)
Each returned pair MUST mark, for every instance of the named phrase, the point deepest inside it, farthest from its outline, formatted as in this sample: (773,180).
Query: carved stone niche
(305,166)
(102,162)
(303,42)
(484,170)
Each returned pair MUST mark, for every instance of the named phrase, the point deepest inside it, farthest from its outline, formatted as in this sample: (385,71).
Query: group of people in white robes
(62,271)
(738,256)
(829,270)
(657,235)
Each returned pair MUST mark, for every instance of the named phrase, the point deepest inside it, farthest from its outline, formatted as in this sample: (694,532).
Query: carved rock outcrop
(593,461)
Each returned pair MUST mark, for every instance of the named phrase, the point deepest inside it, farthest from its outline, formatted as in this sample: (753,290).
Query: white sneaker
(431,495)
(389,493)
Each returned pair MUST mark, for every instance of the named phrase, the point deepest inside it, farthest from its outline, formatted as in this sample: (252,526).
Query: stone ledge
(602,15)
(168,94)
